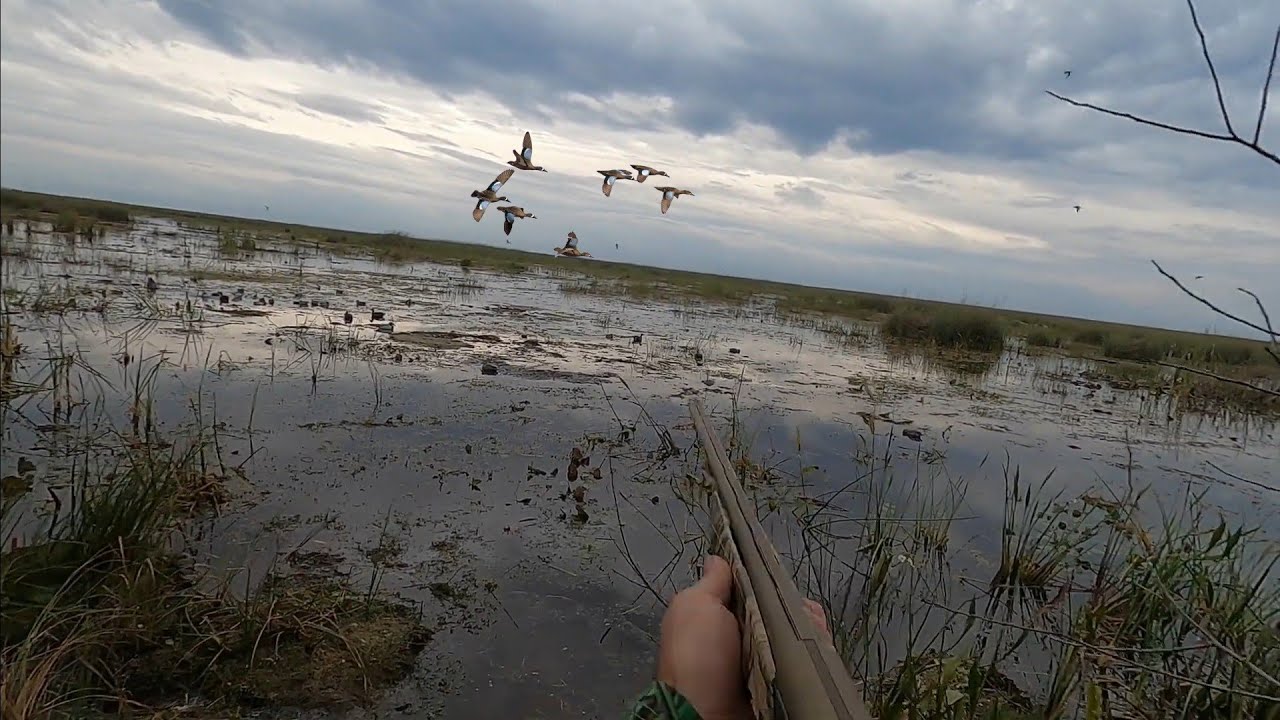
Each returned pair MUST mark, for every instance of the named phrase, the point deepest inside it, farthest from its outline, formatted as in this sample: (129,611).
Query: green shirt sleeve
(660,701)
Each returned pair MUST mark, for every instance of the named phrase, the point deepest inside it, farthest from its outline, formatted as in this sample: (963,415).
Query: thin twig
(1270,333)
(1233,476)
(1144,121)
(1262,309)
(1213,72)
(1266,87)
(1219,378)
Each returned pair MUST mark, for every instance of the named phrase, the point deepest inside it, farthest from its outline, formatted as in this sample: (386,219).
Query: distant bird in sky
(509,215)
(1077,207)
(616,246)
(490,194)
(524,158)
(1066,73)
(611,177)
(1199,277)
(668,194)
(644,171)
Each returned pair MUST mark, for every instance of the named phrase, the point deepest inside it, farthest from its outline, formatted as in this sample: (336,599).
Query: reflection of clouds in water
(449,451)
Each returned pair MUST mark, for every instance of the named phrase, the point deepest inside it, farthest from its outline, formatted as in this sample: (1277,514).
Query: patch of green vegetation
(32,205)
(67,221)
(971,329)
(100,617)
(1043,337)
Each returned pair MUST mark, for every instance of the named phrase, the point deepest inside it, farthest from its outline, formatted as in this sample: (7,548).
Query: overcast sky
(903,147)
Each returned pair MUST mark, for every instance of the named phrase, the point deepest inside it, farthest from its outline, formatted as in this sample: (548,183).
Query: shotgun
(792,669)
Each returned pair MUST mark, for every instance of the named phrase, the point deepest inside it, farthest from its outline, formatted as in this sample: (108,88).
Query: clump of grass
(1043,337)
(1112,606)
(248,243)
(228,244)
(100,617)
(954,328)
(67,221)
(1133,347)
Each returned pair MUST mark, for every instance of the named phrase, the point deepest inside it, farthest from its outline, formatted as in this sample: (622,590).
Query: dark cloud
(892,80)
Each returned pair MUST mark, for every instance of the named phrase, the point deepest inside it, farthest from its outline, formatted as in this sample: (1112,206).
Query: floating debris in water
(912,434)
(708,382)
(375,315)
(735,351)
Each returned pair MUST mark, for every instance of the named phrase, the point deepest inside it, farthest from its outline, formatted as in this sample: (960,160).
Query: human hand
(700,653)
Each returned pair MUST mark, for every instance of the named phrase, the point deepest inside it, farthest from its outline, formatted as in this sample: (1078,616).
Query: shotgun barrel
(797,675)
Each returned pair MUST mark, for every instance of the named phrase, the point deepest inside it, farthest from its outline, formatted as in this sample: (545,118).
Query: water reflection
(337,425)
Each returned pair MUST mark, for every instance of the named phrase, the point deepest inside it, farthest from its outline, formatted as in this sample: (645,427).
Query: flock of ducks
(524,161)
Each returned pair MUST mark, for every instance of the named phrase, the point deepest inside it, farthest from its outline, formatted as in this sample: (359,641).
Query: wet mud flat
(510,459)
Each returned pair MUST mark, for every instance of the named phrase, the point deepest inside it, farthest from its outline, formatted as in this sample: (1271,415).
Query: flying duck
(524,158)
(644,171)
(509,215)
(611,177)
(490,194)
(668,194)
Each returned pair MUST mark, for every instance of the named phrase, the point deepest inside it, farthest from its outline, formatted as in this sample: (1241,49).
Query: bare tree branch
(1230,135)
(1144,121)
(1213,72)
(1271,334)
(1219,378)
(1266,87)
(1263,310)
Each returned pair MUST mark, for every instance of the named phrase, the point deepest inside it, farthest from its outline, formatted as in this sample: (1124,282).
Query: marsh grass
(1099,605)
(971,329)
(104,613)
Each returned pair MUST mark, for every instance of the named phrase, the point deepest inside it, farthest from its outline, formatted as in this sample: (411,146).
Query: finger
(717,579)
(818,615)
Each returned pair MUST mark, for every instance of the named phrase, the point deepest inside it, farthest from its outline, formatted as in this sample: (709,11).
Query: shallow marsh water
(395,456)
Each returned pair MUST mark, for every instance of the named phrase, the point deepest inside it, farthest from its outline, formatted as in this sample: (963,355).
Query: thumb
(717,579)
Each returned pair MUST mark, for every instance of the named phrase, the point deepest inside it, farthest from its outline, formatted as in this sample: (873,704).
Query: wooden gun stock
(798,671)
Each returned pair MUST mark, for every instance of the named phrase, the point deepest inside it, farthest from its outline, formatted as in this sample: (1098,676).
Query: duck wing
(502,178)
(527,152)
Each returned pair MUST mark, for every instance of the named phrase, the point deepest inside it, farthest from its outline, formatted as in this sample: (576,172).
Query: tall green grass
(954,328)
(1097,605)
